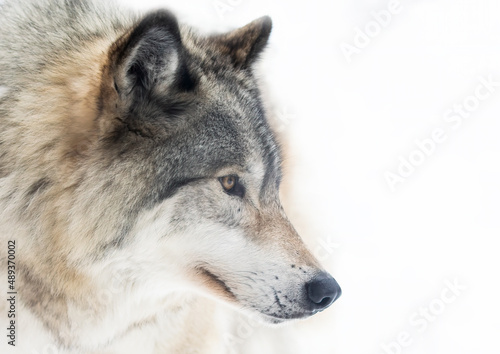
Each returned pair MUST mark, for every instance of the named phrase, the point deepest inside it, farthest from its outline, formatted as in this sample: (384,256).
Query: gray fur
(115,122)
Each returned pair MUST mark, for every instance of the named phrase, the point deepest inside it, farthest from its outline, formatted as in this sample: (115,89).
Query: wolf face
(146,149)
(188,111)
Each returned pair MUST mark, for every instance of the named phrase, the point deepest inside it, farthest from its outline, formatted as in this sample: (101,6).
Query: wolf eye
(232,186)
(228,182)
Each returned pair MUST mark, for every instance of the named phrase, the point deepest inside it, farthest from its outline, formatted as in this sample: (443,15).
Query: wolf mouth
(216,282)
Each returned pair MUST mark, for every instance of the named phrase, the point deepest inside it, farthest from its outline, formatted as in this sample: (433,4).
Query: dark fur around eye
(237,190)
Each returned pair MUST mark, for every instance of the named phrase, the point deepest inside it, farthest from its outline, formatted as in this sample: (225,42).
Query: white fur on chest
(196,328)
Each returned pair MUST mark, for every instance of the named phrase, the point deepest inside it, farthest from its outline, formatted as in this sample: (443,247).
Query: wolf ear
(245,44)
(147,57)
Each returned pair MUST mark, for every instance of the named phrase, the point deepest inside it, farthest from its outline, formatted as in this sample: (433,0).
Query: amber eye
(228,182)
(232,185)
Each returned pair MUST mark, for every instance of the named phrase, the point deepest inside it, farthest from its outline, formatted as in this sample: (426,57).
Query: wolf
(139,185)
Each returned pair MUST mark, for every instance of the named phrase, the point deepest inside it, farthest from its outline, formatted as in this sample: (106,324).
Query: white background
(344,125)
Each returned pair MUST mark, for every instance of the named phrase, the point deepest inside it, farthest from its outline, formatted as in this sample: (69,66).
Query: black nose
(322,291)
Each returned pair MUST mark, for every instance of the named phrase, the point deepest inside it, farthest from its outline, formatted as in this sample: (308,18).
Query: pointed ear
(148,57)
(245,44)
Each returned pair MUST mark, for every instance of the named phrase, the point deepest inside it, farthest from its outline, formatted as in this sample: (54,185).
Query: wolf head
(179,170)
